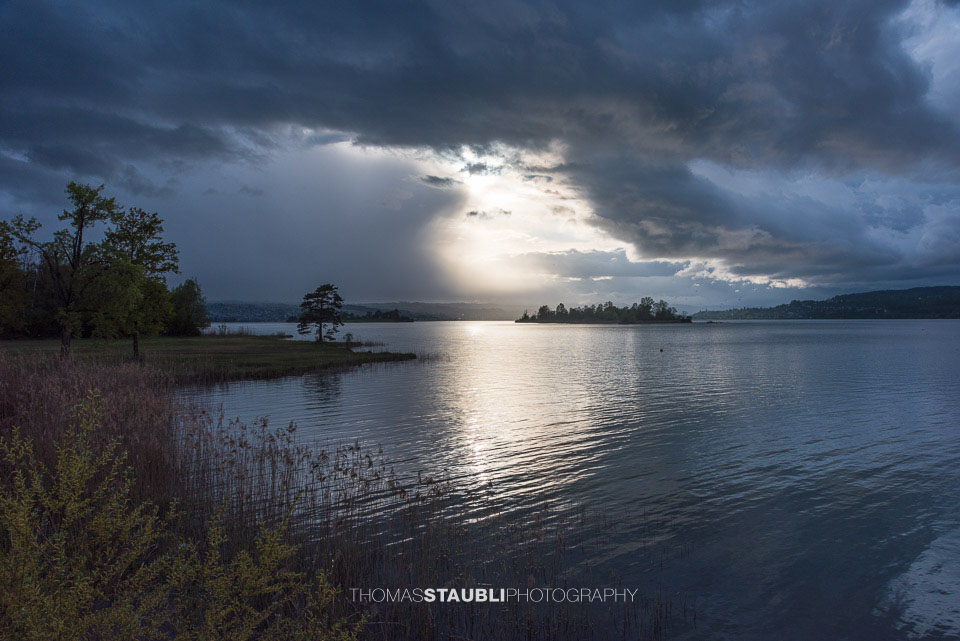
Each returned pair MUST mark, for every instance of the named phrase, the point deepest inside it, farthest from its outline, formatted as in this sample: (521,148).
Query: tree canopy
(75,285)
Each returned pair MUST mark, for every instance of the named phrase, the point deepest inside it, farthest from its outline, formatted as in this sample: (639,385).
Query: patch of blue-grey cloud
(594,264)
(440,182)
(795,140)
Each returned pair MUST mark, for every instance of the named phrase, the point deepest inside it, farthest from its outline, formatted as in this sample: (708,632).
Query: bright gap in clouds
(521,230)
(512,207)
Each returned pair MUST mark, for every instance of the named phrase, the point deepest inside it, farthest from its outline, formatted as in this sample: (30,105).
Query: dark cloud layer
(636,92)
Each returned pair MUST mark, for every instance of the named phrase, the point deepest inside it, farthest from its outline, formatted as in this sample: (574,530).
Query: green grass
(211,358)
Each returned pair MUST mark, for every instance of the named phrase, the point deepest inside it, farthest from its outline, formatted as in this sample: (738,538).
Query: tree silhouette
(646,308)
(319,308)
(644,311)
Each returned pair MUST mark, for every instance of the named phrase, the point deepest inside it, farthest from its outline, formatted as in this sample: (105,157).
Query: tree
(136,241)
(321,307)
(14,275)
(188,316)
(663,311)
(137,236)
(646,308)
(72,262)
(109,288)
(128,303)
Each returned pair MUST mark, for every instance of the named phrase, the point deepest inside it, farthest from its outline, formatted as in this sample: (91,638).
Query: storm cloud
(809,141)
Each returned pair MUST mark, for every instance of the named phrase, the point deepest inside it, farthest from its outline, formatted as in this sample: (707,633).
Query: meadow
(212,357)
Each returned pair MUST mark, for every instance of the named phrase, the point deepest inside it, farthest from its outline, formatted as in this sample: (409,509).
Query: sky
(715,154)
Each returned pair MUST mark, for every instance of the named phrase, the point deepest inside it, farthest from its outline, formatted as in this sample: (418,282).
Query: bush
(80,559)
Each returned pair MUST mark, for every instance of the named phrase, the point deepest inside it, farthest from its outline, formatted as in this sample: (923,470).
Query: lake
(798,479)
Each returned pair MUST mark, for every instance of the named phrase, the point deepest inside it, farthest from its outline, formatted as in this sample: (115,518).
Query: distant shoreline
(917,303)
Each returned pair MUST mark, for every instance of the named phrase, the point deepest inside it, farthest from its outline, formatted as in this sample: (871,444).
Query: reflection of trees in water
(326,388)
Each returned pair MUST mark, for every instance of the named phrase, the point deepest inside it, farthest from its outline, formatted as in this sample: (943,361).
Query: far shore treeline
(103,274)
(377,316)
(916,302)
(645,311)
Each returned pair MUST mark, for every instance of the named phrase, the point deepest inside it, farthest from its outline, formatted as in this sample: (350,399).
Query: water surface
(808,471)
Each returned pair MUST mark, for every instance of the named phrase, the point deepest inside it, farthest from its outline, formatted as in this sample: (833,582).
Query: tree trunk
(64,343)
(136,347)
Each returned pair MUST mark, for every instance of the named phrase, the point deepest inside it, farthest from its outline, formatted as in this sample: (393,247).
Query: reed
(363,525)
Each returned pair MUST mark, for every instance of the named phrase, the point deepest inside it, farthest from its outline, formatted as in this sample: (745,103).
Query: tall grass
(352,520)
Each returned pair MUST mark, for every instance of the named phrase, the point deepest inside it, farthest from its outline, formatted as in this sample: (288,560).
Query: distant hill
(918,302)
(451,311)
(243,312)
(237,311)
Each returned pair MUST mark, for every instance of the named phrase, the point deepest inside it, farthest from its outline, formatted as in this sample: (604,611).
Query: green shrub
(80,559)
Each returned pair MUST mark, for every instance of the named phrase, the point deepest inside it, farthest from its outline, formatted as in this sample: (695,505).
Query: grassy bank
(211,358)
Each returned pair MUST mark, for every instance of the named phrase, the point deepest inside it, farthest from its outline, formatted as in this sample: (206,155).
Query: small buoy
(661,349)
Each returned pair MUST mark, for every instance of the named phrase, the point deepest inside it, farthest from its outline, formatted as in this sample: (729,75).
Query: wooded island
(646,311)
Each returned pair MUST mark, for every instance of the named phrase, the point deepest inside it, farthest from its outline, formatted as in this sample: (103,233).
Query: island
(645,311)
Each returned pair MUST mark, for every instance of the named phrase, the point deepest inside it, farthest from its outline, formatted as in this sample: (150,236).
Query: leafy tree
(110,299)
(71,260)
(188,316)
(128,303)
(321,307)
(137,236)
(136,240)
